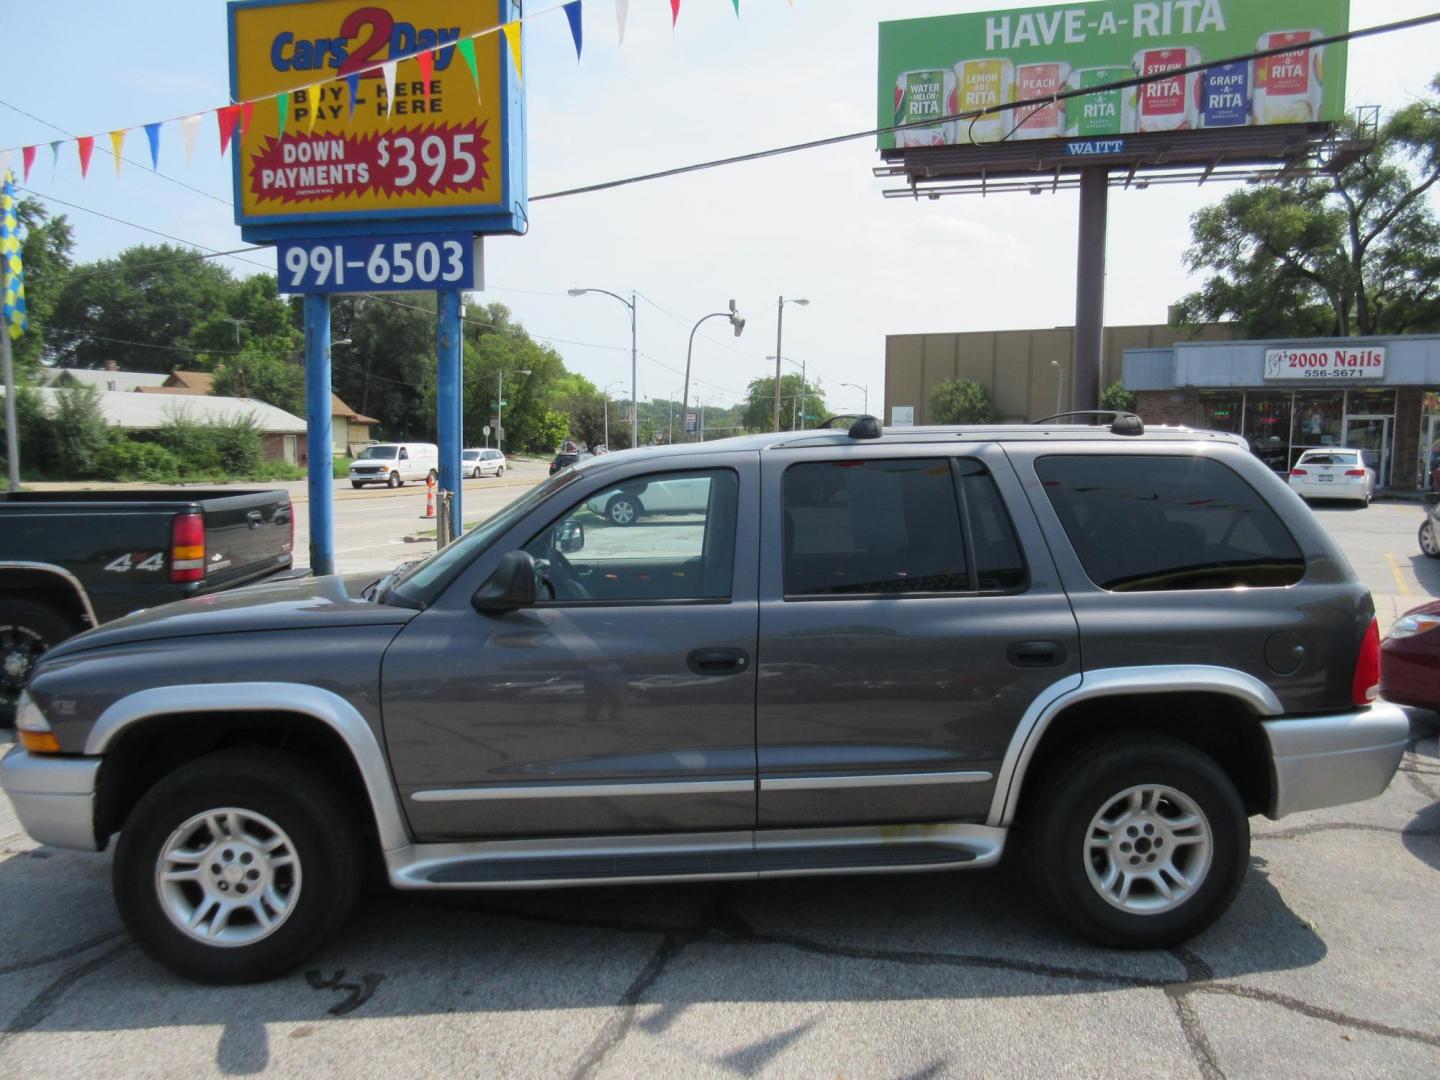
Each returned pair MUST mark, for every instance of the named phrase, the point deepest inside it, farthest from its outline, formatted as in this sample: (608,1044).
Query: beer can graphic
(1036,81)
(1165,104)
(984,84)
(923,98)
(1100,113)
(1225,97)
(1290,87)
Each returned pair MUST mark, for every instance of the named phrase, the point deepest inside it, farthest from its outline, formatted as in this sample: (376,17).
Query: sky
(812,225)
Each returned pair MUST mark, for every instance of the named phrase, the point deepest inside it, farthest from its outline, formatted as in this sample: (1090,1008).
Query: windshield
(377,453)
(471,455)
(427,578)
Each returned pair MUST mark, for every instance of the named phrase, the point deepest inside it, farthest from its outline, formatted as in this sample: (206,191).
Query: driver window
(404,454)
(662,537)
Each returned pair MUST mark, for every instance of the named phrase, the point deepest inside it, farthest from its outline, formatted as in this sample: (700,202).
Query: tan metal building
(1014,365)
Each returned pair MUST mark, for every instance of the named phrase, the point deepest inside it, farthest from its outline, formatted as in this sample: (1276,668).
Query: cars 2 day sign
(443,151)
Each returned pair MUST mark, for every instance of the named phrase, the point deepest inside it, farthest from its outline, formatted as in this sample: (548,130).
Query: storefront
(1379,395)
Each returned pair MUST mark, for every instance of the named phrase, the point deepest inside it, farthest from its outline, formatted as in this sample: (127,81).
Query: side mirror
(570,538)
(1432,499)
(510,587)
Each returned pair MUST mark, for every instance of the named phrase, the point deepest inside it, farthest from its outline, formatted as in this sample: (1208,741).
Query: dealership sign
(935,68)
(385,127)
(1314,364)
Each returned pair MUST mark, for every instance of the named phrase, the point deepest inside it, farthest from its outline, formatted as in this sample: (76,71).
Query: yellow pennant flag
(511,30)
(312,104)
(117,141)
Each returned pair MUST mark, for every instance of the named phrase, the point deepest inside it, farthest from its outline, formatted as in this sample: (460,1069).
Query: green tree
(45,250)
(388,369)
(797,398)
(32,429)
(1351,252)
(139,309)
(259,373)
(1117,397)
(961,401)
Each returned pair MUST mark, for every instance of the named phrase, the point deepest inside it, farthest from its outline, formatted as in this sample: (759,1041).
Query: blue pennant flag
(572,12)
(13,314)
(152,132)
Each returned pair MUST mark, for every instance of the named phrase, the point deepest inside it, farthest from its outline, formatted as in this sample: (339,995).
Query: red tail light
(1299,472)
(187,547)
(1367,667)
(1354,472)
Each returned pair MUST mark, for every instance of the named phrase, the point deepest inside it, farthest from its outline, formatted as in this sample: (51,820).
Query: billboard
(937,67)
(443,153)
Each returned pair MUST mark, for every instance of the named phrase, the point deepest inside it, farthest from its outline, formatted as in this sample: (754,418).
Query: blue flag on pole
(13,315)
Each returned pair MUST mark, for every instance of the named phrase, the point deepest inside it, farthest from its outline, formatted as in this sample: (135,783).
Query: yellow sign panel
(432,144)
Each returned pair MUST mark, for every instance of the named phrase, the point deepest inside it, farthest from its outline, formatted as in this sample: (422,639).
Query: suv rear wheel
(1427,541)
(237,866)
(1138,840)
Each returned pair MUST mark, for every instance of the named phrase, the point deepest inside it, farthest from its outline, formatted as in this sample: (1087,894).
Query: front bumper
(54,797)
(1332,760)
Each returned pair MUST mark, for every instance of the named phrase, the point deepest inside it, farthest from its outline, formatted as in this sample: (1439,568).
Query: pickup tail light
(1299,472)
(187,547)
(1354,472)
(1366,685)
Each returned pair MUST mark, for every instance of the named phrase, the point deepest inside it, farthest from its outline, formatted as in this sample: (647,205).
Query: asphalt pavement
(1326,965)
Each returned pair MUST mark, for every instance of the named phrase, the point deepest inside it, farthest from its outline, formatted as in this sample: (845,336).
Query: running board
(767,853)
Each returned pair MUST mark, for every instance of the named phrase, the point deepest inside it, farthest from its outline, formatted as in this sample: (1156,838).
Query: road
(1325,966)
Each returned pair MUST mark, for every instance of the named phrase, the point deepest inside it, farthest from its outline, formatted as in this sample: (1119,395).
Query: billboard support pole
(319,453)
(449,402)
(1090,288)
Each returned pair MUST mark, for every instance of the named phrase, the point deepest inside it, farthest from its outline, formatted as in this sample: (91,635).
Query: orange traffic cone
(429,499)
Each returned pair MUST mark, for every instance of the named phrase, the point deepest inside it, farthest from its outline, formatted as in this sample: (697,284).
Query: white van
(394,463)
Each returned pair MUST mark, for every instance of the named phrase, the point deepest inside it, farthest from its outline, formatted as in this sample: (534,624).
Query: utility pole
(780,350)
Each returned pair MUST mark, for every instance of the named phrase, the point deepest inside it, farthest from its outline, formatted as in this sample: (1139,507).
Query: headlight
(1410,625)
(34,729)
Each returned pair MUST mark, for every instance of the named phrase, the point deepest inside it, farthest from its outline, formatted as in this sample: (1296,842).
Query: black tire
(1089,778)
(306,804)
(499,471)
(1428,546)
(623,510)
(475,473)
(27,630)
(394,481)
(356,485)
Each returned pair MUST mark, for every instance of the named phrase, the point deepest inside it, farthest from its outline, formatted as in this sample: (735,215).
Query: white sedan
(1333,474)
(690,494)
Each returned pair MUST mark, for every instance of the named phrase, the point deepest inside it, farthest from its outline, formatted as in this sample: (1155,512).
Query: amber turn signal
(39,742)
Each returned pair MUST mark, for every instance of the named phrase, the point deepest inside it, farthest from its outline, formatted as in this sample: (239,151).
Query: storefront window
(1267,426)
(1220,412)
(1319,421)
(1372,403)
(1430,441)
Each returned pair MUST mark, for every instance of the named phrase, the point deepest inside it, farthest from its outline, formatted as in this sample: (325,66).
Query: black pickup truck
(71,560)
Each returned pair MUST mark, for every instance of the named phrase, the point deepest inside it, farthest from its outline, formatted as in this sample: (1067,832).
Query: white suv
(478,463)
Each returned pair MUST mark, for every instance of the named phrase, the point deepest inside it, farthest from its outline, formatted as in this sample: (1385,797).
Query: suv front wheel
(237,866)
(1138,840)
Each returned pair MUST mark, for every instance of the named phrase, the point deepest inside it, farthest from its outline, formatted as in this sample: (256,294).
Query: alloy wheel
(1148,849)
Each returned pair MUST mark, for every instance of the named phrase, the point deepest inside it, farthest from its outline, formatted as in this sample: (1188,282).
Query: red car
(1410,659)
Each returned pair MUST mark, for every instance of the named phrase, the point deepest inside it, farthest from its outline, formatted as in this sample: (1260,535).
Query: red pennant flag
(86,145)
(674,12)
(247,111)
(28,156)
(426,61)
(227,116)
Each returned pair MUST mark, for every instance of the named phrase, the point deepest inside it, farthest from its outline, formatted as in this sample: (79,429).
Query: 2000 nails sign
(426,134)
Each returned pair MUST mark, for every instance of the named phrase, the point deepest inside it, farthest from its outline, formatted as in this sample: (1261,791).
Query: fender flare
(64,575)
(312,701)
(1114,682)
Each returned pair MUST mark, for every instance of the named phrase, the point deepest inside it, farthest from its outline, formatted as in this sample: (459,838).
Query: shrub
(237,445)
(1117,397)
(961,401)
(340,469)
(127,460)
(30,424)
(77,432)
(190,442)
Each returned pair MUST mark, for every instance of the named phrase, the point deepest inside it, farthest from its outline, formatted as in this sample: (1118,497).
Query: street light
(1059,383)
(780,350)
(606,394)
(634,361)
(735,320)
(500,408)
(864,390)
(804,387)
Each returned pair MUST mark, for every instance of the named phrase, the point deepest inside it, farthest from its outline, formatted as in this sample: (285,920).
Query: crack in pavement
(62,954)
(1343,826)
(618,1026)
(43,1003)
(1197,970)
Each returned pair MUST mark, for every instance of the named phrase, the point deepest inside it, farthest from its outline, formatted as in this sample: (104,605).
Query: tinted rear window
(1144,524)
(1311,458)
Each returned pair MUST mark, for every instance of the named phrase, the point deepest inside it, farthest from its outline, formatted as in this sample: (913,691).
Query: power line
(1027,103)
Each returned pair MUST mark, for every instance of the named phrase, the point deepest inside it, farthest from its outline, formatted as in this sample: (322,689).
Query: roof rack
(1122,422)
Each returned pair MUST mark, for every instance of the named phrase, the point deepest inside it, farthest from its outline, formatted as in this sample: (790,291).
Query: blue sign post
(387,187)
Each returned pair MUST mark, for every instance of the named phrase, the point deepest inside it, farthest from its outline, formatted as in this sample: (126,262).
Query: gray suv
(858,652)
